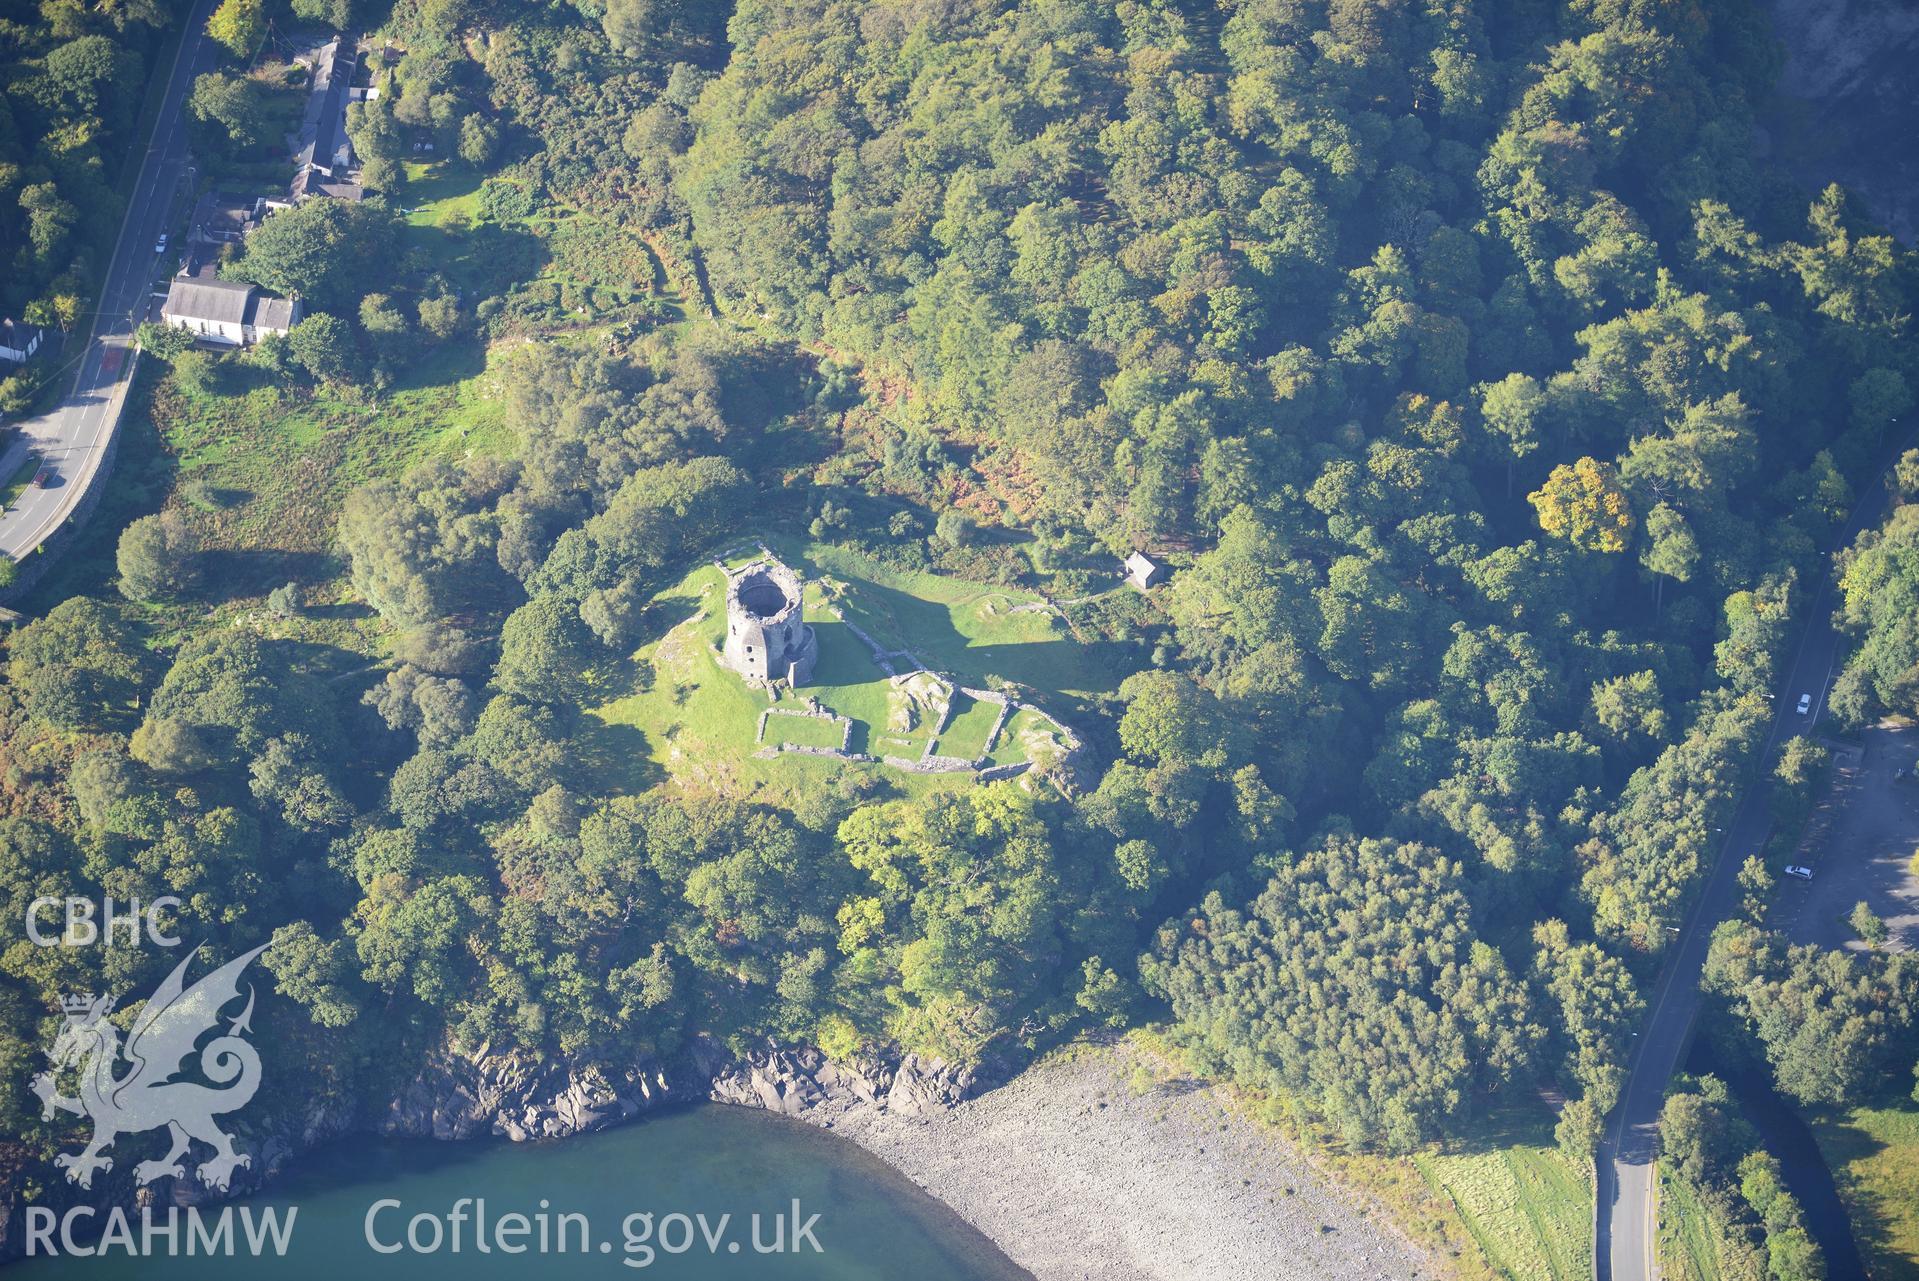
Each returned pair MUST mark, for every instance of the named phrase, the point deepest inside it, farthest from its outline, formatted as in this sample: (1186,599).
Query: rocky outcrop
(804,1083)
(522,1097)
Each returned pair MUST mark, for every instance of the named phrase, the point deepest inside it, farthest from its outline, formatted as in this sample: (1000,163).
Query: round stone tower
(767,638)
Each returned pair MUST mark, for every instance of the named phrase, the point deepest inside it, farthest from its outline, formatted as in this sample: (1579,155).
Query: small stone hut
(767,636)
(1143,571)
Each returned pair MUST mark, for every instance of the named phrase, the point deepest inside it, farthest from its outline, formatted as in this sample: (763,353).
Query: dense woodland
(1495,406)
(72,76)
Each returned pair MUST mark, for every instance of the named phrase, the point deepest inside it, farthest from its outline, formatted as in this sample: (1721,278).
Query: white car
(1805,704)
(160,245)
(1803,873)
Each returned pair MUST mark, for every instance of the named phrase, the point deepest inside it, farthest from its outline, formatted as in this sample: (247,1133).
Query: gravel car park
(1867,851)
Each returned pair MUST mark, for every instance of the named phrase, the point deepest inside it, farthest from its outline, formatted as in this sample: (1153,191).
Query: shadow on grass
(659,617)
(481,260)
(898,619)
(327,662)
(232,574)
(612,759)
(218,497)
(344,611)
(1878,1215)
(1505,1124)
(441,364)
(861,741)
(844,658)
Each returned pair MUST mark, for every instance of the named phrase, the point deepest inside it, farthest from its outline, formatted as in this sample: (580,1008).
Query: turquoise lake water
(873,1224)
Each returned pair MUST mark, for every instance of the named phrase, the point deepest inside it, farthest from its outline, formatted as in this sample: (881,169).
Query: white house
(18,340)
(232,312)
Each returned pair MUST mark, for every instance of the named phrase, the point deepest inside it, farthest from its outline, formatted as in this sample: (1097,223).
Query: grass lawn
(1686,1236)
(11,487)
(803,731)
(1527,1206)
(697,720)
(263,467)
(970,630)
(847,680)
(965,736)
(1874,1156)
(449,403)
(437,192)
(1027,736)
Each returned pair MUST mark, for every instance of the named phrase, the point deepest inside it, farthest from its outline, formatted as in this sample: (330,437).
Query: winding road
(1628,1216)
(73,439)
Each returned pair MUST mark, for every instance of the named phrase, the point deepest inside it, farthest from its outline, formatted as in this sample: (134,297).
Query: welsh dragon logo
(159,1044)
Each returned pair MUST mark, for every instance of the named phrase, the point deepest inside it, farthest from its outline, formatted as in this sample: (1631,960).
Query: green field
(265,467)
(802,731)
(1686,1244)
(1527,1206)
(970,630)
(699,721)
(965,735)
(11,487)
(1874,1156)
(1026,736)
(261,464)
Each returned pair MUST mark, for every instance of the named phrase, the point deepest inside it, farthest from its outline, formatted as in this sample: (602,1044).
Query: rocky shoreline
(1098,1166)
(520,1098)
(1086,1167)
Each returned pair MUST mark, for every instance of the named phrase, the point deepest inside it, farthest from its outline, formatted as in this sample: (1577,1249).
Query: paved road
(72,439)
(1623,1248)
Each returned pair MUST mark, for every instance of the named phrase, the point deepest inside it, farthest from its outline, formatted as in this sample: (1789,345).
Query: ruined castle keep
(767,638)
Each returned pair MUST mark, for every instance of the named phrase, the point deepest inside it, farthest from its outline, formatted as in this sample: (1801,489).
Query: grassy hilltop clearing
(701,722)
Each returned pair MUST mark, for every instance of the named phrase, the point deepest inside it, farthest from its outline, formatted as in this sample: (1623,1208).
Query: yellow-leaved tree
(1584,504)
(237,24)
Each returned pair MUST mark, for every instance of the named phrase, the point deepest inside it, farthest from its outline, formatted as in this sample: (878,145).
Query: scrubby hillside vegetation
(1493,406)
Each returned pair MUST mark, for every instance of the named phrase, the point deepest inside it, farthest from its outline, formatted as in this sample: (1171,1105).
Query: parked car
(42,477)
(1803,873)
(160,245)
(1805,704)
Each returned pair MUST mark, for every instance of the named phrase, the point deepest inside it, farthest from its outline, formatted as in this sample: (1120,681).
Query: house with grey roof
(222,218)
(310,184)
(323,158)
(230,313)
(1142,571)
